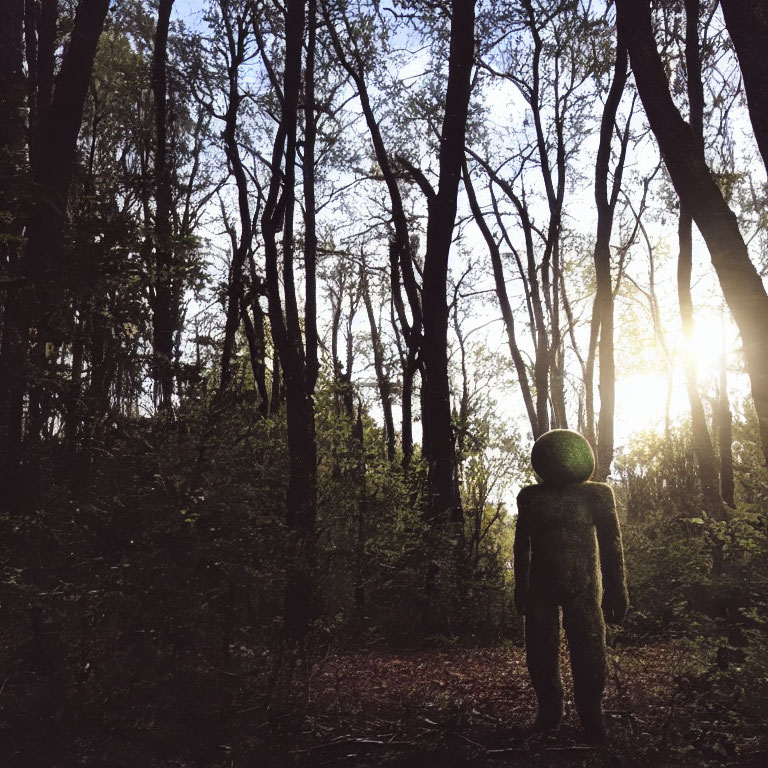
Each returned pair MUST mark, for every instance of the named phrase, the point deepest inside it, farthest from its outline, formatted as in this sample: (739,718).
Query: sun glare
(644,398)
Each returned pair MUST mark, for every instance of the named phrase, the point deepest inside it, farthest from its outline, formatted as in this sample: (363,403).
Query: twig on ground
(350,742)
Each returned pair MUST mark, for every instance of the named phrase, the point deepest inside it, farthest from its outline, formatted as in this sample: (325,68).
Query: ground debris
(469,707)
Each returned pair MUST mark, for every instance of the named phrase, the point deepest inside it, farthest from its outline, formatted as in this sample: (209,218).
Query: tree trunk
(54,163)
(741,284)
(506,308)
(254,331)
(401,255)
(725,428)
(382,381)
(705,455)
(747,23)
(310,226)
(361,522)
(34,299)
(602,317)
(164,312)
(236,35)
(40,31)
(11,100)
(13,340)
(406,428)
(550,376)
(530,278)
(301,501)
(277,389)
(443,503)
(702,443)
(556,348)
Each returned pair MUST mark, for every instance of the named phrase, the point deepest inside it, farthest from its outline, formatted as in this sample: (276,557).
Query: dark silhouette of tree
(383,382)
(546,63)
(36,315)
(298,359)
(234,29)
(440,450)
(529,272)
(12,147)
(602,313)
(725,427)
(165,293)
(747,23)
(702,443)
(400,251)
(504,304)
(684,158)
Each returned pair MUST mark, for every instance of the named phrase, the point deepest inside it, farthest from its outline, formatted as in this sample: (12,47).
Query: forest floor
(462,707)
(383,708)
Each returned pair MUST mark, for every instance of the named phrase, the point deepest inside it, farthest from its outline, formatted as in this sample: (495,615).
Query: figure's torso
(564,555)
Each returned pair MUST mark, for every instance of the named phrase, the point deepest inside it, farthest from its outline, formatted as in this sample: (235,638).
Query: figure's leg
(585,630)
(542,644)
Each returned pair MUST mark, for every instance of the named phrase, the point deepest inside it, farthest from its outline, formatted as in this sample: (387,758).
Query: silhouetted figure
(558,563)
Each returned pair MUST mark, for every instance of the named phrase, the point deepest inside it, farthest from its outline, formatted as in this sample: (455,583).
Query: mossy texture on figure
(568,554)
(562,457)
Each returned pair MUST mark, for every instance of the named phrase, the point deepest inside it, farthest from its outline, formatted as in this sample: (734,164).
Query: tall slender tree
(34,313)
(12,168)
(383,382)
(400,250)
(235,23)
(504,303)
(441,457)
(747,23)
(164,294)
(602,314)
(741,284)
(702,442)
(298,357)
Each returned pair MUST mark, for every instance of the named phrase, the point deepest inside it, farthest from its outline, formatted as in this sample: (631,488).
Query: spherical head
(562,457)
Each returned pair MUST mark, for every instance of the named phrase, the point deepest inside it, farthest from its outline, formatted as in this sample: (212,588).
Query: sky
(642,385)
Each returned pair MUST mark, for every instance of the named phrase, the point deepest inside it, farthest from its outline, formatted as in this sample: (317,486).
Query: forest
(288,290)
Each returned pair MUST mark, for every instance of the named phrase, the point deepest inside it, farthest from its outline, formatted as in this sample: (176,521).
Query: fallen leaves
(372,705)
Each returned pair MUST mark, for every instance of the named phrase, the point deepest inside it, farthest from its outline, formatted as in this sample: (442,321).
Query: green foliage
(699,579)
(658,474)
(138,601)
(157,557)
(385,571)
(146,590)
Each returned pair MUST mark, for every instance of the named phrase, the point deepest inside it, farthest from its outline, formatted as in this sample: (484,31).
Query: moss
(568,554)
(561,457)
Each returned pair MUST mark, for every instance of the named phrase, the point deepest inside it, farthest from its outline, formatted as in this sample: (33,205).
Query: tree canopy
(289,290)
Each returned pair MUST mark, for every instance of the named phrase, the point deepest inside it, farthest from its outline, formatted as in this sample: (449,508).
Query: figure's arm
(522,551)
(615,597)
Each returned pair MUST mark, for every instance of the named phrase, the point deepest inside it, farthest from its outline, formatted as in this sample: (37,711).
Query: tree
(602,313)
(12,100)
(543,60)
(504,303)
(440,451)
(401,259)
(164,298)
(725,426)
(684,158)
(747,23)
(35,300)
(298,360)
(702,443)
(377,348)
(234,28)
